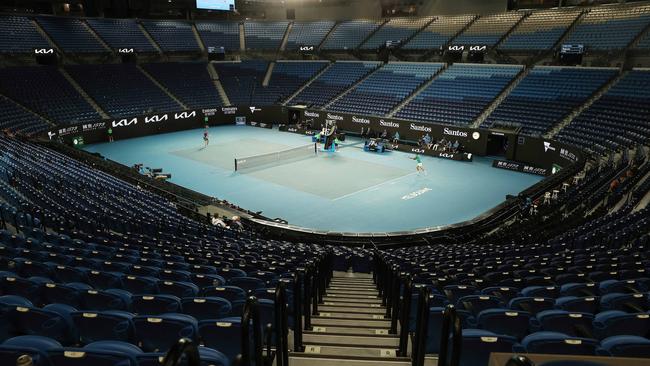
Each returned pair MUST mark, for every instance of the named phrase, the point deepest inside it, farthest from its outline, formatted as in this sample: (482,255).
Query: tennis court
(350,190)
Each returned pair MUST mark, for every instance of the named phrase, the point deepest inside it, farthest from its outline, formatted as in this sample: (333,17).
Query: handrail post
(281,344)
(395,301)
(186,347)
(251,313)
(297,310)
(315,281)
(307,297)
(451,320)
(386,292)
(422,322)
(405,309)
(456,339)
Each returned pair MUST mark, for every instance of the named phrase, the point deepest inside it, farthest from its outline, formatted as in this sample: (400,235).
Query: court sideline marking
(372,187)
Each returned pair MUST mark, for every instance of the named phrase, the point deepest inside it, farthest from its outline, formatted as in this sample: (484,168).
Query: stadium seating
(240,80)
(644,42)
(488,30)
(395,30)
(190,82)
(286,78)
(219,34)
(264,35)
(547,94)
(121,89)
(540,31)
(121,33)
(46,91)
(453,96)
(172,36)
(438,33)
(610,28)
(386,88)
(338,77)
(308,33)
(71,35)
(19,35)
(17,119)
(618,118)
(348,34)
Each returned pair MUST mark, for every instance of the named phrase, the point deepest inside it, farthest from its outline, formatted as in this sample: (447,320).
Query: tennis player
(419,167)
(206,138)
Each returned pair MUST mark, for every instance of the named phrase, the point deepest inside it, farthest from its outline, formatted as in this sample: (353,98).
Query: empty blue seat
(157,334)
(155,304)
(532,305)
(503,321)
(455,292)
(615,322)
(111,299)
(435,323)
(477,303)
(53,321)
(505,293)
(561,321)
(140,285)
(103,280)
(557,343)
(85,357)
(110,325)
(588,304)
(69,293)
(482,343)
(206,280)
(203,308)
(34,346)
(179,289)
(248,284)
(230,293)
(625,346)
(633,303)
(541,291)
(223,334)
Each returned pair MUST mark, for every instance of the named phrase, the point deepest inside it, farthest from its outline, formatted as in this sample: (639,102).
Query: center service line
(375,186)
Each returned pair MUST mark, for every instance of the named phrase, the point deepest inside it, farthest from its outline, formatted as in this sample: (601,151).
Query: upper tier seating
(241,80)
(644,42)
(540,31)
(333,81)
(610,27)
(19,35)
(619,118)
(121,89)
(71,34)
(459,94)
(547,95)
(308,33)
(121,33)
(17,119)
(396,29)
(264,35)
(438,33)
(172,36)
(219,34)
(349,34)
(45,90)
(286,78)
(488,30)
(188,81)
(386,88)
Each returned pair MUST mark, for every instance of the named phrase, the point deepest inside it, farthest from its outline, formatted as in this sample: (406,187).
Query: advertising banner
(520,167)
(436,154)
(545,153)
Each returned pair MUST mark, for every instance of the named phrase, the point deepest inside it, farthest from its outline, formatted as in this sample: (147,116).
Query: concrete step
(350,315)
(352,304)
(355,331)
(350,309)
(319,338)
(363,289)
(304,359)
(351,351)
(352,300)
(350,322)
(353,292)
(350,296)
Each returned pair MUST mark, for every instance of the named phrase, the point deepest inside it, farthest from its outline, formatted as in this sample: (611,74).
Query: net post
(235,164)
(315,148)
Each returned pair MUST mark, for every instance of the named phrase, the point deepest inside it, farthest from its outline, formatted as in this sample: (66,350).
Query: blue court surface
(350,190)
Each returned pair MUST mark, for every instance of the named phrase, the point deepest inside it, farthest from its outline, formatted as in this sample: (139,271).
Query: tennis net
(278,157)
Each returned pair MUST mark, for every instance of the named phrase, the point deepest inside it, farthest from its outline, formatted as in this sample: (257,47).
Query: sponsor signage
(229,110)
(481,48)
(519,167)
(125,51)
(436,154)
(307,49)
(44,51)
(365,121)
(456,48)
(385,123)
(156,118)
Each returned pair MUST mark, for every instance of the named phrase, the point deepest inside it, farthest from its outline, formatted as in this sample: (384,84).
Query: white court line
(375,186)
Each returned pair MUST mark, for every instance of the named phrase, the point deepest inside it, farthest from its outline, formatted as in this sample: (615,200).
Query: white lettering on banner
(456,48)
(360,120)
(125,122)
(93,126)
(254,109)
(156,118)
(478,48)
(335,117)
(417,151)
(388,123)
(306,48)
(415,127)
(44,51)
(51,134)
(184,115)
(446,155)
(547,146)
(311,114)
(457,133)
(415,194)
(229,110)
(566,154)
(125,50)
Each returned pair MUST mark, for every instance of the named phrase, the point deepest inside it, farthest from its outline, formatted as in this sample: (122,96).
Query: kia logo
(184,115)
(125,122)
(478,48)
(44,51)
(156,118)
(456,48)
(125,50)
(306,48)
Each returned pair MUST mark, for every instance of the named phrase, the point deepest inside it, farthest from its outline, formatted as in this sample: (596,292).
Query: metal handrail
(281,320)
(421,327)
(297,310)
(186,347)
(306,299)
(404,311)
(251,313)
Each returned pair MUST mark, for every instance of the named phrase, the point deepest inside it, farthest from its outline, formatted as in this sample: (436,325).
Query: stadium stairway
(351,328)
(199,41)
(162,87)
(504,93)
(150,38)
(313,78)
(83,93)
(415,93)
(214,75)
(599,93)
(352,87)
(47,37)
(285,38)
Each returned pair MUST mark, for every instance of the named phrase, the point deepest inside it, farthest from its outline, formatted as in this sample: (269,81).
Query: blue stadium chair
(229,273)
(455,292)
(111,299)
(52,321)
(435,324)
(505,293)
(157,334)
(69,293)
(541,291)
(626,302)
(155,304)
(204,308)
(248,284)
(93,326)
(482,343)
(103,280)
(34,346)
(179,289)
(578,304)
(477,303)
(95,357)
(615,322)
(569,323)
(504,321)
(625,346)
(579,289)
(223,334)
(532,305)
(24,287)
(557,343)
(230,293)
(206,280)
(140,285)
